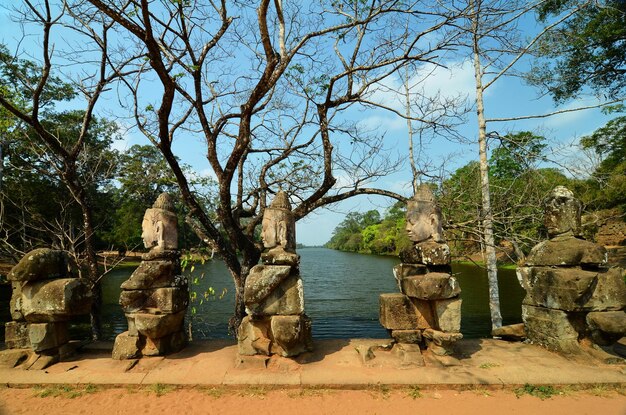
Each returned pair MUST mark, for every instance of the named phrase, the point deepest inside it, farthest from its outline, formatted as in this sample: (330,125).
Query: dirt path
(257,401)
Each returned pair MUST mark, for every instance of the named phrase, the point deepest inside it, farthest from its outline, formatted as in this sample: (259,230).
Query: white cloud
(569,118)
(431,81)
(386,123)
(129,138)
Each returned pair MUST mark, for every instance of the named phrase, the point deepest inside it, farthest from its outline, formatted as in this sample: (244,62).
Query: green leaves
(587,51)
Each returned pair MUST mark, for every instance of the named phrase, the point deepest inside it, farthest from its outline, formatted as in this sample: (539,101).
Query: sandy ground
(258,401)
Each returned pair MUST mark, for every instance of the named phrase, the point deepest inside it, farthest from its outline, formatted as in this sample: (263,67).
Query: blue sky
(507,98)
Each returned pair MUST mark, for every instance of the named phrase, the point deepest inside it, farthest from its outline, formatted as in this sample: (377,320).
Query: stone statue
(156,296)
(423,217)
(573,299)
(426,313)
(274,293)
(562,213)
(279,226)
(159,226)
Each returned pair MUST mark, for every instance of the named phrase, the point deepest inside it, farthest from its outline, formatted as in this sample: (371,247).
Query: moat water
(341,296)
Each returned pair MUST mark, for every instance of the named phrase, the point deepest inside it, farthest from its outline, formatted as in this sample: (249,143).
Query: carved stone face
(423,217)
(159,230)
(278,229)
(421,227)
(562,213)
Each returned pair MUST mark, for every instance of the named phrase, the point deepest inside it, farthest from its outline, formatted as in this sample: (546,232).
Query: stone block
(409,354)
(13,358)
(432,286)
(253,336)
(433,253)
(291,335)
(165,255)
(573,289)
(16,335)
(606,327)
(512,332)
(567,251)
(15,304)
(127,346)
(610,293)
(559,288)
(157,325)
(41,264)
(55,300)
(262,280)
(132,329)
(440,343)
(278,256)
(407,336)
(44,361)
(46,336)
(165,345)
(550,328)
(403,270)
(166,300)
(447,314)
(153,274)
(399,312)
(286,299)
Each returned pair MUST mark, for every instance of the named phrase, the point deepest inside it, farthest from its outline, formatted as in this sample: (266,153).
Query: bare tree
(270,87)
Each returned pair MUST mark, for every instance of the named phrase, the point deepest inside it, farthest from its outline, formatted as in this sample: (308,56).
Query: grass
(415,392)
(542,392)
(62,391)
(160,389)
(488,365)
(254,391)
(215,392)
(306,392)
(381,389)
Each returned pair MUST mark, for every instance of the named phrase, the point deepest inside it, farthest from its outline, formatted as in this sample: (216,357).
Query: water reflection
(341,292)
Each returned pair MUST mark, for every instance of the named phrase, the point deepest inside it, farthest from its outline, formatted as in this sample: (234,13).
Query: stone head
(562,213)
(160,225)
(423,217)
(279,225)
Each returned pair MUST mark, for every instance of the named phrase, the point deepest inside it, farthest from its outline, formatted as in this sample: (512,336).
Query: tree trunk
(80,196)
(240,306)
(1,163)
(487,220)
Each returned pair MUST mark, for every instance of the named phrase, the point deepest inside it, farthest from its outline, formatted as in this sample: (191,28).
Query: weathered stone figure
(274,295)
(562,213)
(160,225)
(46,296)
(278,226)
(423,217)
(427,311)
(155,297)
(572,298)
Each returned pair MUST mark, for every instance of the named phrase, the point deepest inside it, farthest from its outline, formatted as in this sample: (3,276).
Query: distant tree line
(519,182)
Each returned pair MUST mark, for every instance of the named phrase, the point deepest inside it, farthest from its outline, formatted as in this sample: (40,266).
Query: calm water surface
(341,296)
